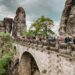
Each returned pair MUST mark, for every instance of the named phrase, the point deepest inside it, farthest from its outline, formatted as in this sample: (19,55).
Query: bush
(5,42)
(4,62)
(6,51)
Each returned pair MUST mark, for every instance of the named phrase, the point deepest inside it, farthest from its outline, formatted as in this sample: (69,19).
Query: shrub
(6,51)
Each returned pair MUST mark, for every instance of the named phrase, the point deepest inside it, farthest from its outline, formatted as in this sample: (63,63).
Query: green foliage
(42,26)
(5,42)
(6,52)
(4,61)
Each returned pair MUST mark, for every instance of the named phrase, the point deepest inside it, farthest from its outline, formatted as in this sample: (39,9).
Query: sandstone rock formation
(19,21)
(67,24)
(8,24)
(2,29)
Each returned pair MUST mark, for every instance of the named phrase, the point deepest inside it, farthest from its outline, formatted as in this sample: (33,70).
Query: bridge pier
(28,65)
(25,65)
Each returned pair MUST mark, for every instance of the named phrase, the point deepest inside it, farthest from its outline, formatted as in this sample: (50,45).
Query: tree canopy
(42,26)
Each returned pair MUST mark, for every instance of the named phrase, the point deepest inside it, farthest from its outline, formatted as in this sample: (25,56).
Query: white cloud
(56,26)
(28,23)
(4,12)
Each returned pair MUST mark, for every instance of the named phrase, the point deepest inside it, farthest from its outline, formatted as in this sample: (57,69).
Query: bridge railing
(47,45)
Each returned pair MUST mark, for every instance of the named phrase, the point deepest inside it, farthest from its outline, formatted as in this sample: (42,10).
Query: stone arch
(28,65)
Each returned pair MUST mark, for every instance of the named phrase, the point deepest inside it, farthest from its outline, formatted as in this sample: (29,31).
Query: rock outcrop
(8,24)
(2,28)
(67,24)
(19,22)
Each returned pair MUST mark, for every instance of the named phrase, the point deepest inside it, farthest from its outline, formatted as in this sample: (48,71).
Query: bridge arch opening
(28,65)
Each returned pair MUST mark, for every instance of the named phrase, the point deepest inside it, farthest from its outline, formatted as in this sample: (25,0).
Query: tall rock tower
(67,25)
(19,22)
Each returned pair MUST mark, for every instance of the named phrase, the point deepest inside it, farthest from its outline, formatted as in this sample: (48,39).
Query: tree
(42,26)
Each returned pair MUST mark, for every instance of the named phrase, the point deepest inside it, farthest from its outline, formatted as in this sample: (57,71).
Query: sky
(34,9)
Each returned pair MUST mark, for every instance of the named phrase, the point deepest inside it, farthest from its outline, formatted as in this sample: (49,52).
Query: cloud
(9,4)
(35,8)
(5,13)
(56,26)
(49,8)
(28,24)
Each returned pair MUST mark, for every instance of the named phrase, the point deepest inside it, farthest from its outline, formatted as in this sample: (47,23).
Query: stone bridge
(54,61)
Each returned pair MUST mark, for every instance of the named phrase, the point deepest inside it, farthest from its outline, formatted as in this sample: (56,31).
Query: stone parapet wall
(62,48)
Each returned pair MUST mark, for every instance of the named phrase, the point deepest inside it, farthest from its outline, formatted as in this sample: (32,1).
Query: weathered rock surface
(67,24)
(19,21)
(8,24)
(2,29)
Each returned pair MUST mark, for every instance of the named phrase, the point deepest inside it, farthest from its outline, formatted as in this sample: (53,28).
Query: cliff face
(67,24)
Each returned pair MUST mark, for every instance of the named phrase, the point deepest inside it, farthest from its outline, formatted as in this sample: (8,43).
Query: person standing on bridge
(68,39)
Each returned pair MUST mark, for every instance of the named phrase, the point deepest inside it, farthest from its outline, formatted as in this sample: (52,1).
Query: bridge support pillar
(25,65)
